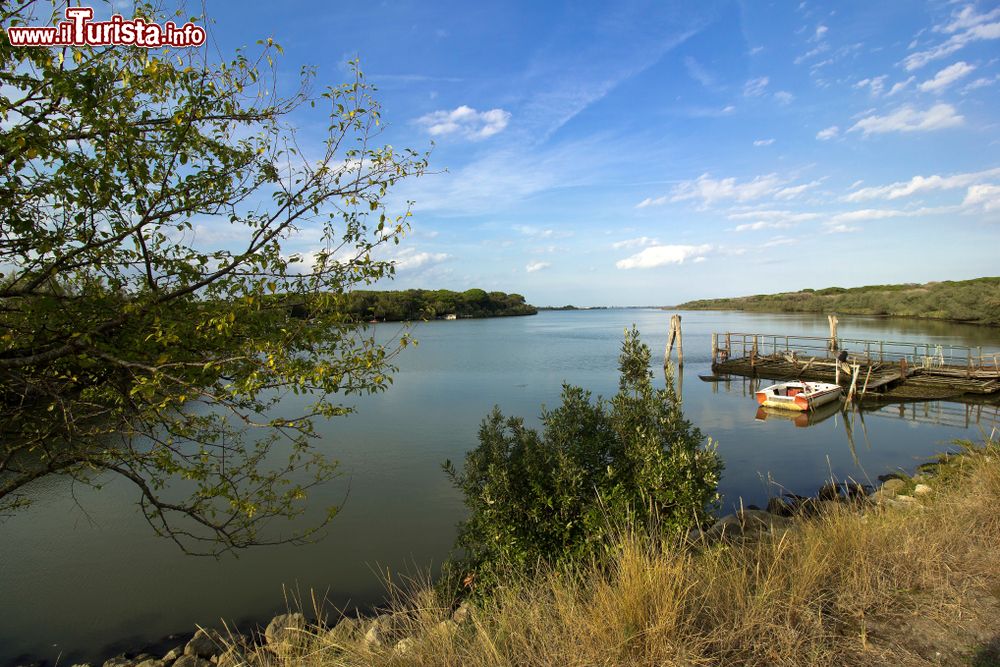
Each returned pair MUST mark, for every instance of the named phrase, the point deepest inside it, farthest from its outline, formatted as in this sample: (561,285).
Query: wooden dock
(867,368)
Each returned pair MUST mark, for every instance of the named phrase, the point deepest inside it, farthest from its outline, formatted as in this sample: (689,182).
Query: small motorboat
(798,395)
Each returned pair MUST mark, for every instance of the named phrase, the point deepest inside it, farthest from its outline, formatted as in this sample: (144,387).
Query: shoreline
(204,648)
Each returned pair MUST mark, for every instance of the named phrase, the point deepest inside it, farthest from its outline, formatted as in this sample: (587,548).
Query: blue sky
(632,153)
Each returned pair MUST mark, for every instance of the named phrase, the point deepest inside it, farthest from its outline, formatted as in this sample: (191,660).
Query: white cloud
(540,233)
(784,97)
(770,219)
(821,30)
(947,76)
(981,82)
(763,142)
(710,190)
(755,87)
(778,241)
(661,255)
(761,224)
(907,119)
(536,266)
(635,243)
(653,201)
(409,259)
(922,184)
(967,18)
(867,214)
(900,86)
(793,191)
(465,121)
(875,84)
(828,133)
(822,48)
(841,229)
(985,196)
(966,27)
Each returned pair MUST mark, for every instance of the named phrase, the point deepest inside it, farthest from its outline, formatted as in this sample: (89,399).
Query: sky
(648,153)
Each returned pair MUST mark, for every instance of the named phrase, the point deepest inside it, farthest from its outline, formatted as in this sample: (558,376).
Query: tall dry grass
(849,587)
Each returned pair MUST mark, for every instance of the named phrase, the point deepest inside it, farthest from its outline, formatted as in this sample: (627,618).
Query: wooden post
(672,335)
(865,388)
(833,332)
(854,383)
(715,347)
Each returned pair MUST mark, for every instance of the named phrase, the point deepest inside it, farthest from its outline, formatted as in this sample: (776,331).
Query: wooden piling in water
(672,335)
(832,319)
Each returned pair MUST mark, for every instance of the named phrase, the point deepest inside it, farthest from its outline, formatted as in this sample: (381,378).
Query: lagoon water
(83,577)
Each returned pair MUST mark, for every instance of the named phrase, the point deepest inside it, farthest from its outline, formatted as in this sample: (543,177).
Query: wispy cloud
(908,119)
(828,133)
(541,233)
(986,197)
(662,255)
(409,259)
(755,87)
(981,82)
(967,26)
(698,72)
(763,142)
(466,122)
(710,190)
(770,219)
(634,243)
(919,184)
(532,267)
(875,85)
(900,86)
(784,97)
(946,77)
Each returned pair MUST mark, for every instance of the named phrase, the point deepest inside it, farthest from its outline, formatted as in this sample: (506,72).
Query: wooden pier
(867,368)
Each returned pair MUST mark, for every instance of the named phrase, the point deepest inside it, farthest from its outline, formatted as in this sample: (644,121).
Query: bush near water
(554,496)
(975,301)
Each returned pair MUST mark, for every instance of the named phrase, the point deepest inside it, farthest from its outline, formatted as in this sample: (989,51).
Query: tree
(128,344)
(552,496)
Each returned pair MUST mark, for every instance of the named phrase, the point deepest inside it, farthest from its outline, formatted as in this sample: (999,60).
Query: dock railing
(731,345)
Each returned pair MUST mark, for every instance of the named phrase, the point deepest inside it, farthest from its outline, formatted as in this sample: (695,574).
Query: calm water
(82,575)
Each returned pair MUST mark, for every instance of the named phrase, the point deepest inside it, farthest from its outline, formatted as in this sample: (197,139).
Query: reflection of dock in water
(940,413)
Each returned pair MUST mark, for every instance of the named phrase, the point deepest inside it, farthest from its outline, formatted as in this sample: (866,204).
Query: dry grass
(883,586)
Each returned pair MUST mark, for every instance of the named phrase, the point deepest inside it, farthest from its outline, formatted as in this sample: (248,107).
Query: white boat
(799,396)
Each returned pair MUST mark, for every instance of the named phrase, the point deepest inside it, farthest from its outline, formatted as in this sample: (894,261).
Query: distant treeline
(418,304)
(975,300)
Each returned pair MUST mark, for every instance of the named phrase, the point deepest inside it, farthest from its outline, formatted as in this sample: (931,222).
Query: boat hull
(798,396)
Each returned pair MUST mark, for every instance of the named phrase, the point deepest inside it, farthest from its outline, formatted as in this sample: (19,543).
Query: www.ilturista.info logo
(79,30)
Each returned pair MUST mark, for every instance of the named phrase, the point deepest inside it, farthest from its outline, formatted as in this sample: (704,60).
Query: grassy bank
(901,583)
(976,301)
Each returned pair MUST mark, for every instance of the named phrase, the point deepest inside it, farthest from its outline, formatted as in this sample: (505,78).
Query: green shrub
(553,496)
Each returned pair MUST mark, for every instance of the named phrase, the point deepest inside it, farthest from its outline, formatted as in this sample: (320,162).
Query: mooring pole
(674,334)
(715,347)
(833,332)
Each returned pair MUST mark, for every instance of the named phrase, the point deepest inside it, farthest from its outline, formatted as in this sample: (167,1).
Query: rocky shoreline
(285,633)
